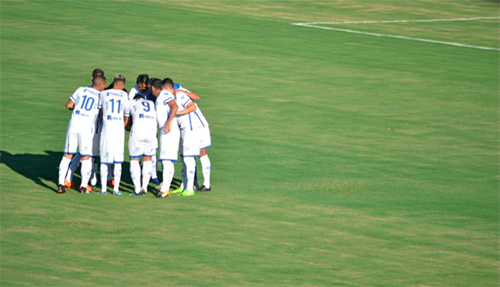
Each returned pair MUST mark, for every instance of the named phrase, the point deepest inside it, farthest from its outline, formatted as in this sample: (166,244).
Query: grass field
(337,159)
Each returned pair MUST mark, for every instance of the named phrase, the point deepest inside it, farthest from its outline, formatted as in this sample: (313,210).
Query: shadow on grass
(36,167)
(44,167)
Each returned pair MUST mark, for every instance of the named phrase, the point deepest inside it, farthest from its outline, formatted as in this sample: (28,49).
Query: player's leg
(168,175)
(206,168)
(70,148)
(63,169)
(73,166)
(135,173)
(154,172)
(104,178)
(86,171)
(117,174)
(147,171)
(190,163)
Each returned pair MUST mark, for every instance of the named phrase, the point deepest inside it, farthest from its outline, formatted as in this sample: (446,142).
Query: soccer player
(142,141)
(114,104)
(75,161)
(143,88)
(80,131)
(189,124)
(166,109)
(205,141)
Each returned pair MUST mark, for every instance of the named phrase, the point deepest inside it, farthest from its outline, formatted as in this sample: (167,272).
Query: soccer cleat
(61,189)
(187,193)
(117,193)
(203,188)
(163,194)
(155,181)
(68,184)
(102,192)
(84,190)
(89,188)
(175,191)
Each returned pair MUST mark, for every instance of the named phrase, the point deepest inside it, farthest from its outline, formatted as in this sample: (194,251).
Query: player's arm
(127,122)
(191,95)
(191,107)
(70,104)
(173,111)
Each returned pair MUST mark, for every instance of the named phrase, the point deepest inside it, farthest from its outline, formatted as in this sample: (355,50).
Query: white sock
(93,177)
(190,162)
(205,167)
(168,175)
(135,174)
(154,164)
(73,165)
(104,177)
(147,170)
(86,172)
(117,176)
(63,169)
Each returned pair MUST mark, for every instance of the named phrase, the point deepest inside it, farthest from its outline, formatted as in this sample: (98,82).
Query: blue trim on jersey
(206,147)
(199,119)
(191,155)
(85,155)
(107,162)
(136,157)
(172,160)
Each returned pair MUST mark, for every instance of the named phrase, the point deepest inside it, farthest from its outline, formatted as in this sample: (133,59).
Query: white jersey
(163,109)
(135,91)
(114,104)
(193,120)
(143,115)
(86,110)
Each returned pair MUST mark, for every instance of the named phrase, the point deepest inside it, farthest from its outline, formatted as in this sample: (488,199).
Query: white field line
(316,25)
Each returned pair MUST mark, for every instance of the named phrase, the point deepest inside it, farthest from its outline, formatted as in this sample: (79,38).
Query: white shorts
(78,139)
(190,142)
(205,139)
(142,146)
(112,145)
(169,145)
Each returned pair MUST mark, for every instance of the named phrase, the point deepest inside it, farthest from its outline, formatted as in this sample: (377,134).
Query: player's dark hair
(168,82)
(98,80)
(142,78)
(156,83)
(97,72)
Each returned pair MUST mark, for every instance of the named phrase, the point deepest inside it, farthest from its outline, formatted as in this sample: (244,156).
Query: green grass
(338,159)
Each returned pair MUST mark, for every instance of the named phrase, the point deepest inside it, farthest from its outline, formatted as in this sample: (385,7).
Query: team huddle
(97,129)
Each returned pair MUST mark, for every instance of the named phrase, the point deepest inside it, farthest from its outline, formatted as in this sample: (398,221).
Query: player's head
(142,82)
(99,82)
(156,85)
(119,82)
(97,72)
(168,84)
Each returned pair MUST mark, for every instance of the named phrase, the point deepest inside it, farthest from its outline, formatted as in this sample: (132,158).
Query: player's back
(143,114)
(86,107)
(189,121)
(114,104)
